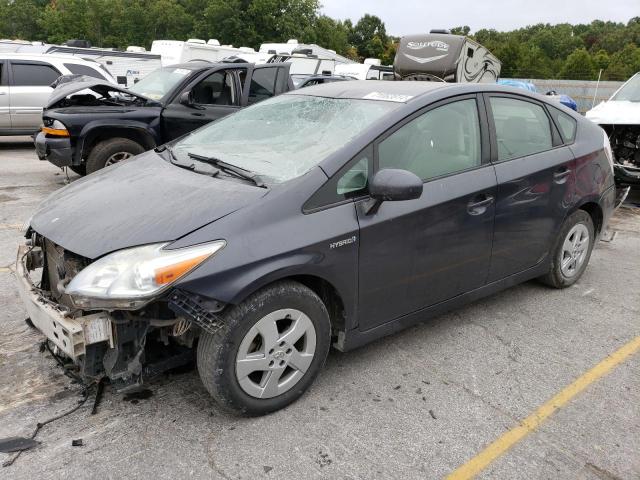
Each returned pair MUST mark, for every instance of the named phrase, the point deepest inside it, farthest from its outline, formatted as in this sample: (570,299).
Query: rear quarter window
(566,124)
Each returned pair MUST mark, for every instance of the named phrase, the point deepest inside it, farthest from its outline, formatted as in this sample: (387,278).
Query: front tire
(571,251)
(110,152)
(268,351)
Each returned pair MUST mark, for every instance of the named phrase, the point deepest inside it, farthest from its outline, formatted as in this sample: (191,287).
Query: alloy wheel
(275,353)
(117,157)
(574,250)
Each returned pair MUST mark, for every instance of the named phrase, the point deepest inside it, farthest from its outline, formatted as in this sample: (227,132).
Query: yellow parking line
(533,421)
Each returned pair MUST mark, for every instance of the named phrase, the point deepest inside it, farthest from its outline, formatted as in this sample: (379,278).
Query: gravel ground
(414,405)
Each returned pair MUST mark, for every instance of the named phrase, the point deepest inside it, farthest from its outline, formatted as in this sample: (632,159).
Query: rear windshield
(284,137)
(160,82)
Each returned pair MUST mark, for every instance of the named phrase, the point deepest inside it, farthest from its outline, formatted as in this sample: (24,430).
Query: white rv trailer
(369,70)
(292,46)
(176,51)
(127,67)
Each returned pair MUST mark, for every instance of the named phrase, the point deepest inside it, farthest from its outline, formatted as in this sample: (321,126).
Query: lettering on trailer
(437,44)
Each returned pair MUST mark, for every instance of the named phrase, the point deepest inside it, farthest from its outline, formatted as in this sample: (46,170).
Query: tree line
(583,52)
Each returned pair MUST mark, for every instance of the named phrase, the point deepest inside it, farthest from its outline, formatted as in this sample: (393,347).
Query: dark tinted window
(33,75)
(78,69)
(522,128)
(263,84)
(439,142)
(565,123)
(3,73)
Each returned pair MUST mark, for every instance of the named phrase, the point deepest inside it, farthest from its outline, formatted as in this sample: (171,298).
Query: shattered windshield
(160,82)
(284,137)
(630,91)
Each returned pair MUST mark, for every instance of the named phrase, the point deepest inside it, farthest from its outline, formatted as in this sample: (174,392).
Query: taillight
(607,149)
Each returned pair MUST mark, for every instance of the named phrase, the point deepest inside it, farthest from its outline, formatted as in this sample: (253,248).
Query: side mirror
(391,185)
(186,99)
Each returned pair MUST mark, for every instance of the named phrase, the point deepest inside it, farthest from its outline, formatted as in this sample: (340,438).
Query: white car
(25,81)
(620,118)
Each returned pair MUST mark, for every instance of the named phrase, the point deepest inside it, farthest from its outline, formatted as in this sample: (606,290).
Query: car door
(266,81)
(29,90)
(5,117)
(212,95)
(536,182)
(417,253)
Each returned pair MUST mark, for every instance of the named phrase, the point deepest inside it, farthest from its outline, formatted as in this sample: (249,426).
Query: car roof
(384,90)
(45,57)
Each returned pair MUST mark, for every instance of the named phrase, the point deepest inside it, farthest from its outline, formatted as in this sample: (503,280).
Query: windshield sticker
(182,71)
(388,97)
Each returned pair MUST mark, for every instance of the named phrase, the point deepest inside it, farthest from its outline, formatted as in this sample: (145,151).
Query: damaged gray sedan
(331,215)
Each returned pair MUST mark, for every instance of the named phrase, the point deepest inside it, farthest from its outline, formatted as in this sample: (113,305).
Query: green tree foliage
(582,51)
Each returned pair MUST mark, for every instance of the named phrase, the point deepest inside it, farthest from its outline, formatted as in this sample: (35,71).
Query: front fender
(150,132)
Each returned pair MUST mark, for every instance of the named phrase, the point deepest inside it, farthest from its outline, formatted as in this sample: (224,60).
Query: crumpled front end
(125,346)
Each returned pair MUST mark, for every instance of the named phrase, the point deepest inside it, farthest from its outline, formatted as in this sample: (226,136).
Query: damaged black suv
(335,214)
(90,123)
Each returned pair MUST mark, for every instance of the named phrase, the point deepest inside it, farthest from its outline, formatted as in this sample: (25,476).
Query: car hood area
(615,112)
(140,201)
(68,85)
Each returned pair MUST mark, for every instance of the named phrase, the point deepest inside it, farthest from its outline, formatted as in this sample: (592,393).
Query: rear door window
(78,69)
(522,128)
(33,74)
(263,84)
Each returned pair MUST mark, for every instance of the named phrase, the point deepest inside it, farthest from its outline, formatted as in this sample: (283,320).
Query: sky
(403,17)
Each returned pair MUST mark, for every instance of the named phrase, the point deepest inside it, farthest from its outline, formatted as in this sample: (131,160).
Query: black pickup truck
(89,124)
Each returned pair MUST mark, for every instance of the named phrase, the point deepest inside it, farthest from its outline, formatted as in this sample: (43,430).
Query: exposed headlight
(127,278)
(56,129)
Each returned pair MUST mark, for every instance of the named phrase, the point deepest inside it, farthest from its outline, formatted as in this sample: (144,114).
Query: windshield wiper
(204,168)
(229,168)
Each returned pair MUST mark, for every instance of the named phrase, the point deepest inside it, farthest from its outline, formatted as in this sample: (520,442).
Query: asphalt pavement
(416,405)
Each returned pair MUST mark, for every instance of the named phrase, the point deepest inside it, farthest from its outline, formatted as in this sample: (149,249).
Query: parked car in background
(320,79)
(620,118)
(331,215)
(565,100)
(25,86)
(88,131)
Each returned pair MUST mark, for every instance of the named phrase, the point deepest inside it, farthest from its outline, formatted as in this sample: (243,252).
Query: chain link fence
(586,93)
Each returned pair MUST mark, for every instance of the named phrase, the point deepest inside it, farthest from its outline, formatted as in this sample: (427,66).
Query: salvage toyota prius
(333,215)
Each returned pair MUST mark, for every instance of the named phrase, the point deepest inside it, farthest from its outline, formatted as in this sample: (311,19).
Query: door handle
(197,114)
(561,175)
(3,93)
(478,207)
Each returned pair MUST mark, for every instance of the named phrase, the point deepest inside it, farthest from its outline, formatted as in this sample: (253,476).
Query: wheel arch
(94,135)
(330,295)
(594,210)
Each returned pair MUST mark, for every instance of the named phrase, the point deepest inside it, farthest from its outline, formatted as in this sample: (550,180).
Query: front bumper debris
(70,334)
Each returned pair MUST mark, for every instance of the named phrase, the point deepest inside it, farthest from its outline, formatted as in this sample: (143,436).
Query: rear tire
(237,363)
(111,151)
(571,251)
